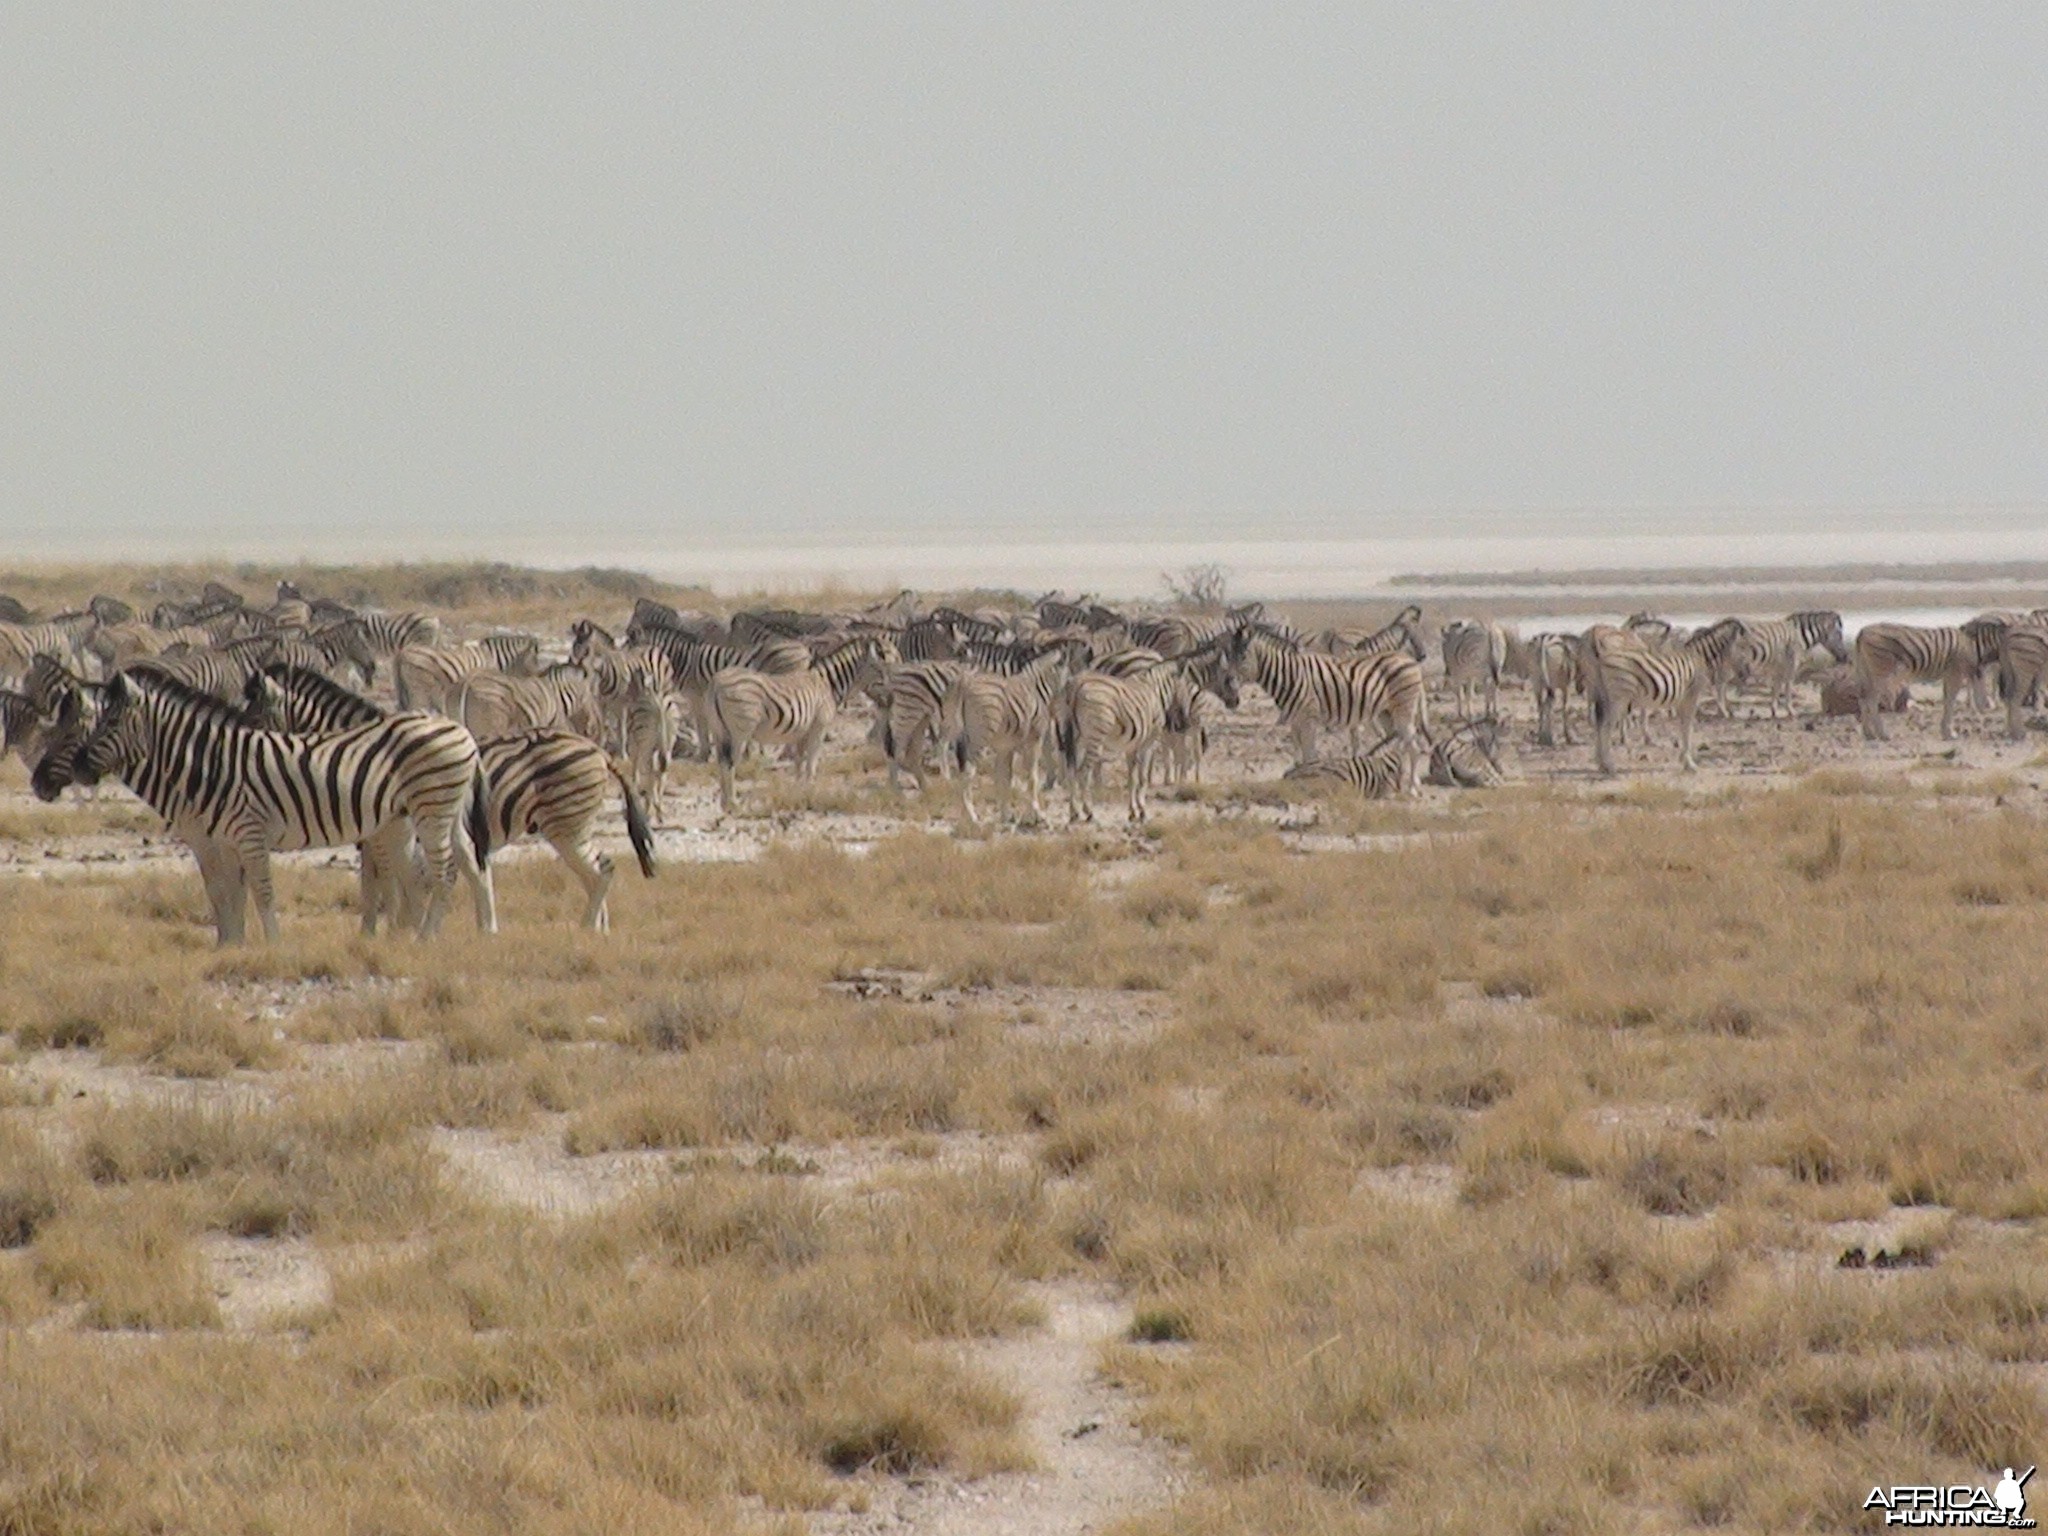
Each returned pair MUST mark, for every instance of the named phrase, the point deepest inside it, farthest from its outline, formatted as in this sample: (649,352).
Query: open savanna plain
(1574,1156)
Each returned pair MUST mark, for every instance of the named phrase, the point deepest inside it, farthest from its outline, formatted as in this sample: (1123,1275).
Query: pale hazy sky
(699,274)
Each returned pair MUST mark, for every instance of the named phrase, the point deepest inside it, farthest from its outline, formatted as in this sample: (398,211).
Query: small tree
(1203,588)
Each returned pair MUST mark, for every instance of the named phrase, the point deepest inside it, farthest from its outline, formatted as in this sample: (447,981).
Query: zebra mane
(308,684)
(140,681)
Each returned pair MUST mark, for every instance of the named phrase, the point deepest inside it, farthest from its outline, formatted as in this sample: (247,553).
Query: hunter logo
(2004,1504)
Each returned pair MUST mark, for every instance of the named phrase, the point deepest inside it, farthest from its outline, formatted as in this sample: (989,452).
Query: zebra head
(115,739)
(1211,669)
(588,637)
(1822,626)
(54,747)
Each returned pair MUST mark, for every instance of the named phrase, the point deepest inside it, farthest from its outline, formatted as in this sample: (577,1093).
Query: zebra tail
(636,823)
(1068,734)
(479,818)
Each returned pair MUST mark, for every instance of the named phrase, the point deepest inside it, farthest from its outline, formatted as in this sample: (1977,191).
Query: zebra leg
(1949,691)
(1138,768)
(594,873)
(1687,708)
(1603,735)
(220,871)
(967,789)
(256,875)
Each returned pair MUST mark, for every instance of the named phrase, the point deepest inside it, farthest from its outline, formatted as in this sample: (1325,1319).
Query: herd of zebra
(238,723)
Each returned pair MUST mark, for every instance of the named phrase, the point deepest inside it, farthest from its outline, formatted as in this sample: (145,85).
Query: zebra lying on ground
(1468,757)
(234,794)
(546,784)
(1386,770)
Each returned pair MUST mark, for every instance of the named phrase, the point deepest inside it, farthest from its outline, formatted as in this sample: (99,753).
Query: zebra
(1312,689)
(692,664)
(428,677)
(1100,717)
(1627,675)
(62,637)
(1401,633)
(2022,668)
(1473,654)
(498,703)
(793,709)
(1468,757)
(234,794)
(912,697)
(1103,716)
(1553,672)
(545,784)
(25,727)
(648,738)
(1003,718)
(1777,648)
(1890,654)
(1378,774)
(390,633)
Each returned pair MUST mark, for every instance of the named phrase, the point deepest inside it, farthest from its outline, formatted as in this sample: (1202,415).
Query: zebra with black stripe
(1888,655)
(1314,691)
(1473,656)
(431,676)
(1403,632)
(1379,774)
(234,794)
(789,709)
(2022,668)
(1100,717)
(1468,757)
(545,784)
(562,697)
(1003,720)
(1776,649)
(1553,674)
(1627,676)
(63,637)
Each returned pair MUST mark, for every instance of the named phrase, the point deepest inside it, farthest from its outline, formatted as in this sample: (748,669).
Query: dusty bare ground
(1093,1464)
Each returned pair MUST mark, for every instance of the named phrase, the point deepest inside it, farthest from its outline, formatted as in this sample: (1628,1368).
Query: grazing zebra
(1469,757)
(498,704)
(792,708)
(1003,719)
(2022,668)
(1313,690)
(1627,675)
(430,676)
(1778,648)
(1378,774)
(1553,673)
(1890,654)
(234,794)
(1473,656)
(544,784)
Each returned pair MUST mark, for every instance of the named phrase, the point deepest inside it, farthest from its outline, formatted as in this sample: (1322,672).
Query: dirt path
(1094,1466)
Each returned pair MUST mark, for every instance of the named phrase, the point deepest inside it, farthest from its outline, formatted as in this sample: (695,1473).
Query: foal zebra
(1890,654)
(547,784)
(234,794)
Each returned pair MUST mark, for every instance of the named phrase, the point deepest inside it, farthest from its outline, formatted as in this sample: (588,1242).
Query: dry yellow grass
(1475,1182)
